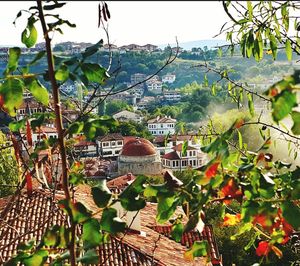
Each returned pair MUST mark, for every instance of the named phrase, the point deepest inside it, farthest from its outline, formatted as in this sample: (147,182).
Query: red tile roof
(30,216)
(85,143)
(120,183)
(138,147)
(110,137)
(161,120)
(190,237)
(171,156)
(179,148)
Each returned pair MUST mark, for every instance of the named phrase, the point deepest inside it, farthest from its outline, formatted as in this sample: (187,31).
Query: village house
(145,102)
(85,148)
(161,125)
(154,86)
(164,144)
(109,146)
(172,96)
(127,116)
(178,161)
(169,78)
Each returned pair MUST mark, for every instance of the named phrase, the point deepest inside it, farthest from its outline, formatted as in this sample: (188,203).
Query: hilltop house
(169,78)
(161,125)
(177,160)
(128,116)
(109,146)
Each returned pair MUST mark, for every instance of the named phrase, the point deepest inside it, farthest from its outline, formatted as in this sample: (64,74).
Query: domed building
(139,156)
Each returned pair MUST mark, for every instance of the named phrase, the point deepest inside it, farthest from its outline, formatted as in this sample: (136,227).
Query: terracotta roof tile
(30,216)
(171,156)
(138,147)
(112,136)
(179,148)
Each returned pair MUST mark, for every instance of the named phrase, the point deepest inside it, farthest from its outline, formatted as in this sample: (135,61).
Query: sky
(140,22)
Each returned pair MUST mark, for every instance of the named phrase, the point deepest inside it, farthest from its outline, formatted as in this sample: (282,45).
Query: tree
(8,168)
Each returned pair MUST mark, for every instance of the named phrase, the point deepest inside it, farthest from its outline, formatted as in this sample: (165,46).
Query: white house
(154,86)
(110,145)
(168,78)
(85,148)
(161,125)
(177,161)
(128,116)
(164,145)
(172,96)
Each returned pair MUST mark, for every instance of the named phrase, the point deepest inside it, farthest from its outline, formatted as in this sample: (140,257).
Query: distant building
(110,145)
(136,78)
(164,145)
(154,86)
(139,156)
(169,78)
(161,125)
(138,48)
(128,116)
(85,148)
(145,102)
(176,160)
(172,96)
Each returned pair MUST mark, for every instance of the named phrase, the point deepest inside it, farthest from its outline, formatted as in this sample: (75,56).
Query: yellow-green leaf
(288,50)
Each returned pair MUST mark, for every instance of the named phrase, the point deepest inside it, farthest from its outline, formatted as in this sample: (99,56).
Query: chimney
(129,176)
(157,118)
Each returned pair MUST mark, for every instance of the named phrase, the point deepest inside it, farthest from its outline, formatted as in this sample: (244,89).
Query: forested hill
(184,66)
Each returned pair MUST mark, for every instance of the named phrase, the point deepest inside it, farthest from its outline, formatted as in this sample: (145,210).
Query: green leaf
(213,89)
(250,104)
(13,58)
(288,50)
(76,178)
(17,125)
(75,128)
(94,73)
(36,259)
(89,257)
(92,49)
(29,35)
(130,198)
(101,194)
(273,45)
(38,90)
(283,104)
(291,213)
(12,93)
(110,222)
(62,74)
(240,140)
(38,56)
(296,119)
(26,245)
(51,236)
(166,206)
(199,249)
(51,7)
(91,234)
(177,231)
(184,148)
(77,210)
(250,10)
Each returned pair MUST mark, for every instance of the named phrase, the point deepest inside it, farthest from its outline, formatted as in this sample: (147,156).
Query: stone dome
(138,147)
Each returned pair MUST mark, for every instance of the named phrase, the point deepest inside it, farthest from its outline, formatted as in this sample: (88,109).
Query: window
(120,142)
(173,163)
(105,144)
(113,143)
